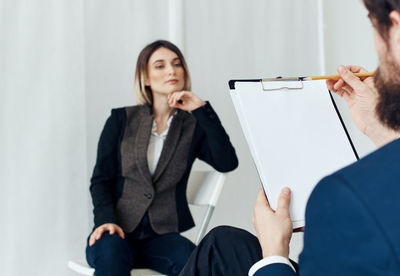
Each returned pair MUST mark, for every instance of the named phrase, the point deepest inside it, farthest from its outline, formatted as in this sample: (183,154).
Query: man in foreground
(352,216)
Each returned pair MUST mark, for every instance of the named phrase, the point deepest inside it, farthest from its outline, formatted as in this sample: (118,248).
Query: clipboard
(295,134)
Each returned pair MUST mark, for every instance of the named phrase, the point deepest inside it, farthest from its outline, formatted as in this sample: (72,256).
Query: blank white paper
(295,138)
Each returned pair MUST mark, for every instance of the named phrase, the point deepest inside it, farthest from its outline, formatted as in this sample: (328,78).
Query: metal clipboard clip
(279,83)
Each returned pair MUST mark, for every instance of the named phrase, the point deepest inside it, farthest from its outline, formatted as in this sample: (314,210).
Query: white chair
(204,189)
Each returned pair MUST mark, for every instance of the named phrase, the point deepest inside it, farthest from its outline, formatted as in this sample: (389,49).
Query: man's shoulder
(365,195)
(382,164)
(371,180)
(370,175)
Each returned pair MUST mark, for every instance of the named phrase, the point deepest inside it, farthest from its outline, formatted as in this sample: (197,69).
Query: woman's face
(165,72)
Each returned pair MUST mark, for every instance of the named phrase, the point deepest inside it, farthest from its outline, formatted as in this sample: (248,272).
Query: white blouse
(156,144)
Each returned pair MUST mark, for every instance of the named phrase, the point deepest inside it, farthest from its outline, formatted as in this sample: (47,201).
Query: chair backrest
(204,187)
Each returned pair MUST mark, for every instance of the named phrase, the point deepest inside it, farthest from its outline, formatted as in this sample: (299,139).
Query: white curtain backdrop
(43,136)
(65,63)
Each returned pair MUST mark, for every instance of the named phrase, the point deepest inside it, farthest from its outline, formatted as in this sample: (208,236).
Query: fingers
(176,98)
(113,228)
(92,239)
(170,99)
(348,80)
(339,84)
(349,77)
(120,232)
(284,201)
(339,87)
(100,232)
(356,69)
(170,102)
(261,199)
(110,227)
(96,235)
(330,84)
(347,93)
(261,206)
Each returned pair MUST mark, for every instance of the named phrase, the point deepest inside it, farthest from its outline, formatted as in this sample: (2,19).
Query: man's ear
(395,28)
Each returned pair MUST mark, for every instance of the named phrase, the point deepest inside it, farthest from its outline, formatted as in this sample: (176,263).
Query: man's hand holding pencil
(357,87)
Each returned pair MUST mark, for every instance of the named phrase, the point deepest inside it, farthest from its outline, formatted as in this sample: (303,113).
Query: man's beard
(388,86)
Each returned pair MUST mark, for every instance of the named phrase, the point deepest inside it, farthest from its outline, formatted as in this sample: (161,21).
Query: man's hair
(143,93)
(379,11)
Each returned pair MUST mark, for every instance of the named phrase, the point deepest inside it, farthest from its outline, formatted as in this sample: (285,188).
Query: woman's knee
(109,249)
(181,253)
(185,248)
(113,243)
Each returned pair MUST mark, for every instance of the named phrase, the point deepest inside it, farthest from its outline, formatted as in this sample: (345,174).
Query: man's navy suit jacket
(353,221)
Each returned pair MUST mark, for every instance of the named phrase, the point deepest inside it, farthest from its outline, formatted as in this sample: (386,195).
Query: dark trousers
(111,255)
(226,251)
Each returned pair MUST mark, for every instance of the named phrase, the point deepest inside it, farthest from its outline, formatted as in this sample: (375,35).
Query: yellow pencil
(336,77)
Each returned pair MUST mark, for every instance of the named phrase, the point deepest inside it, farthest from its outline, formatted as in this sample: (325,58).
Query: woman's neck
(161,112)
(161,108)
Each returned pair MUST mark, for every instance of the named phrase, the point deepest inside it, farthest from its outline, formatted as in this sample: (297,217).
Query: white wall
(42,136)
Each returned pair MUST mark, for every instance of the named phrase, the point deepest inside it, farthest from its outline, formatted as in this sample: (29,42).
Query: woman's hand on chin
(185,100)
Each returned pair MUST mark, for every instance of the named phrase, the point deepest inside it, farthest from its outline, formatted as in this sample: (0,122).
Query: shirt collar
(154,127)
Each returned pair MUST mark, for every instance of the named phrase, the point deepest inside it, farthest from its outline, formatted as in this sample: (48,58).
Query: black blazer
(209,143)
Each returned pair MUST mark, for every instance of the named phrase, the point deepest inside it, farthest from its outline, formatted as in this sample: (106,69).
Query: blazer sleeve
(215,147)
(104,177)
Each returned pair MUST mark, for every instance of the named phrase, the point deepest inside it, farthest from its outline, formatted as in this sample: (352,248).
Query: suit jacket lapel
(142,143)
(170,144)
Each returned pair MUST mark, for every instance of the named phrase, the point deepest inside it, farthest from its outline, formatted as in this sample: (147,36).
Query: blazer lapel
(142,143)
(170,144)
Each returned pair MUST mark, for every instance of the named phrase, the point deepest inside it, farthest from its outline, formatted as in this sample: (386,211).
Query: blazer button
(149,196)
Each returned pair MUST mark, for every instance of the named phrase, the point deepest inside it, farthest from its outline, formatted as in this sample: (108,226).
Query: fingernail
(342,69)
(286,191)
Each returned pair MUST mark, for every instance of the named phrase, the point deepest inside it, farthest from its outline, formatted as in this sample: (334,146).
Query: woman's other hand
(110,227)
(185,100)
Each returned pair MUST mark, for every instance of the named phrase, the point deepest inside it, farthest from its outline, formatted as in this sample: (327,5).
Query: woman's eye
(177,64)
(160,66)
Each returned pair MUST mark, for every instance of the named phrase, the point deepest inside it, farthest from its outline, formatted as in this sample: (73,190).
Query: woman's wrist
(198,103)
